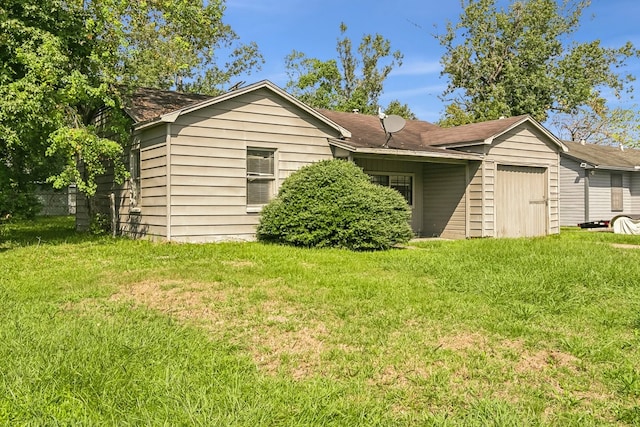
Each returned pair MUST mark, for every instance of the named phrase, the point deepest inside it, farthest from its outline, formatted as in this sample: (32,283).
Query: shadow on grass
(42,230)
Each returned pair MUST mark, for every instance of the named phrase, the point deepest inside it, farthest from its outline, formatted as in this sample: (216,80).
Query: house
(203,167)
(598,182)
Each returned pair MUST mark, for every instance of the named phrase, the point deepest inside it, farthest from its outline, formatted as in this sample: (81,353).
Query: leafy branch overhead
(353,81)
(519,60)
(62,61)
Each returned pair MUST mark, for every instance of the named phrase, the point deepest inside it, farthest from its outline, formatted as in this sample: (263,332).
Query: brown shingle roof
(603,156)
(366,131)
(474,132)
(418,135)
(146,104)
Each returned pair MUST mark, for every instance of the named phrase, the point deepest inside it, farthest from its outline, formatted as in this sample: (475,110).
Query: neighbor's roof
(604,156)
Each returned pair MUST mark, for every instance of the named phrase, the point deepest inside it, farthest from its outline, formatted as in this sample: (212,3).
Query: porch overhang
(425,155)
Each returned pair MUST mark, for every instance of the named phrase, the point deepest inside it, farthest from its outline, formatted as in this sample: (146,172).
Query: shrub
(100,224)
(334,204)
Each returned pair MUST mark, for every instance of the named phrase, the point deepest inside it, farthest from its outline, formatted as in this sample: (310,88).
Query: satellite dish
(393,123)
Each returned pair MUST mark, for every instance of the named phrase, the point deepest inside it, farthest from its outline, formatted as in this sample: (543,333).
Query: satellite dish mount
(390,124)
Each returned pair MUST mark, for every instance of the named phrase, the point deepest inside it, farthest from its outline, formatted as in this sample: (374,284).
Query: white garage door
(521,201)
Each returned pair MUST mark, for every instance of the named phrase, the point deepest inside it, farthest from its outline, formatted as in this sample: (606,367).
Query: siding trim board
(169,202)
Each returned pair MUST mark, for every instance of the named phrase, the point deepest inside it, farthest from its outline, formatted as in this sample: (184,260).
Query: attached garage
(521,201)
(514,191)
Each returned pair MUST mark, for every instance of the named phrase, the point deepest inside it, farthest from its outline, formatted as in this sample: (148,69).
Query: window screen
(260,176)
(401,183)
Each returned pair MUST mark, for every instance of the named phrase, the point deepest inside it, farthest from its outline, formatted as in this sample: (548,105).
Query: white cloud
(417,68)
(412,92)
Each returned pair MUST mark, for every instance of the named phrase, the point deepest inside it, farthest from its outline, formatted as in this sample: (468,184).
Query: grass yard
(101,331)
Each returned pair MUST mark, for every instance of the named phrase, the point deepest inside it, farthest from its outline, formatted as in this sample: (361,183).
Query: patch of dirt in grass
(277,334)
(301,348)
(186,301)
(625,246)
(544,359)
(464,342)
(239,263)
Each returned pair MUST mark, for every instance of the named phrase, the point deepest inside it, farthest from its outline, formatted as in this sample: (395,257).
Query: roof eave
(407,153)
(460,144)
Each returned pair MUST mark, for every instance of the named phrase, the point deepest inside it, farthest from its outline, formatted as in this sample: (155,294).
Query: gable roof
(149,104)
(604,156)
(358,132)
(483,132)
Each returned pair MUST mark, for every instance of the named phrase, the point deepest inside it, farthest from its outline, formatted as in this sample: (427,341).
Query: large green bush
(333,204)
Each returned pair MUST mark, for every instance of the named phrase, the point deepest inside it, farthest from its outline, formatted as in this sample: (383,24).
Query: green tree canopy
(520,61)
(353,81)
(61,61)
(598,124)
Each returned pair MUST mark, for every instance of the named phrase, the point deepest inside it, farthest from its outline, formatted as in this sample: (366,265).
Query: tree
(598,124)
(181,45)
(402,110)
(62,61)
(334,204)
(45,77)
(352,82)
(515,61)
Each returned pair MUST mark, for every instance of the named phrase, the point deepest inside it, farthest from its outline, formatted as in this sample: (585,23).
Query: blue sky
(312,27)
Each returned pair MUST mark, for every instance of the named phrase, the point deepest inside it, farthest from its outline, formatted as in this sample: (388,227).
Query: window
(134,181)
(260,176)
(616,192)
(401,183)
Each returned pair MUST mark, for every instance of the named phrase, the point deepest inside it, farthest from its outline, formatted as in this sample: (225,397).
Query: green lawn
(101,331)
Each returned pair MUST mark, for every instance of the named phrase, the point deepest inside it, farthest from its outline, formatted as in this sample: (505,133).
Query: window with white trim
(260,176)
(403,184)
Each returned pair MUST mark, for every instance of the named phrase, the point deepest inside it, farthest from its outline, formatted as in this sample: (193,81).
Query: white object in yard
(625,225)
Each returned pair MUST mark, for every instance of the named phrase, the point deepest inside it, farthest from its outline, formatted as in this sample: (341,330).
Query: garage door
(521,201)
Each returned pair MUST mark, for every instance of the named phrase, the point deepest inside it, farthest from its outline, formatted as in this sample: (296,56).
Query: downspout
(168,180)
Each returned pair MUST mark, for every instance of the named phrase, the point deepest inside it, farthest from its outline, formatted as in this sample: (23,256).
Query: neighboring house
(598,182)
(202,171)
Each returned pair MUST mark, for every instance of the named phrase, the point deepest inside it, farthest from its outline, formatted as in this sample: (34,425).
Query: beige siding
(572,192)
(151,220)
(521,201)
(522,146)
(208,161)
(399,167)
(445,213)
(476,200)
